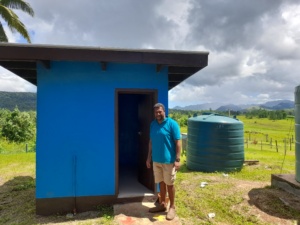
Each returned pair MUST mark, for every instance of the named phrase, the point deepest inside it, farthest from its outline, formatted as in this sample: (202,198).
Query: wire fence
(259,141)
(267,142)
(15,148)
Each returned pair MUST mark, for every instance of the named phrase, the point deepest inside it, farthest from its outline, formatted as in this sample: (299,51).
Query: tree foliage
(18,126)
(12,19)
(182,116)
(271,114)
(25,101)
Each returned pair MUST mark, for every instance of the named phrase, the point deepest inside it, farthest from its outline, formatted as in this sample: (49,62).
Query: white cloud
(11,82)
(252,64)
(254,46)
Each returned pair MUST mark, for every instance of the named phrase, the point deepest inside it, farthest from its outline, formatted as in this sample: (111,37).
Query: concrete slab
(286,182)
(138,213)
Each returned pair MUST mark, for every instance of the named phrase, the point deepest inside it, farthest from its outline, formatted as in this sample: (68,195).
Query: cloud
(11,82)
(126,23)
(253,45)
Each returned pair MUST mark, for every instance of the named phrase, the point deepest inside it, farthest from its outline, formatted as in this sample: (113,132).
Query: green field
(243,197)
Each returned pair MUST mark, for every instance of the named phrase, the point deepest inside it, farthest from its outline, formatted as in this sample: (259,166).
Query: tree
(3,115)
(12,20)
(18,126)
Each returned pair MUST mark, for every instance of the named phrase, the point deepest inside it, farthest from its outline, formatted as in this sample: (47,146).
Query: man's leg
(171,192)
(171,213)
(163,190)
(158,176)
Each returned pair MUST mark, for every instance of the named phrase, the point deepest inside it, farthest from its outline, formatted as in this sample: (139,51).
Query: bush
(18,127)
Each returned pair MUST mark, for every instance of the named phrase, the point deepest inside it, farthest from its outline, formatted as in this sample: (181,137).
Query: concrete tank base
(286,182)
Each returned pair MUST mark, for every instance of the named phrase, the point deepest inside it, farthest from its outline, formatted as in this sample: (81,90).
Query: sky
(254,46)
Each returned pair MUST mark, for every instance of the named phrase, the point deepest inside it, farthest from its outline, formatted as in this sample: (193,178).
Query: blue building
(94,108)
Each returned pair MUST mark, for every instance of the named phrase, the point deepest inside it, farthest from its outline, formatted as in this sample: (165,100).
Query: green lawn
(232,196)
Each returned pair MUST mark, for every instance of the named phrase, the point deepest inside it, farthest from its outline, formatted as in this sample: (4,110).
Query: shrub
(18,127)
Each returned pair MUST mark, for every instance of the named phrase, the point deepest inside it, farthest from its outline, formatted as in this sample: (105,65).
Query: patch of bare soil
(270,205)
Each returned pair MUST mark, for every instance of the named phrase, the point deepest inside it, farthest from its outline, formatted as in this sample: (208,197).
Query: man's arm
(178,148)
(178,152)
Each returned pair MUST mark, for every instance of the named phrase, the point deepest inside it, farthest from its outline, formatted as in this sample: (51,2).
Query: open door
(145,113)
(134,113)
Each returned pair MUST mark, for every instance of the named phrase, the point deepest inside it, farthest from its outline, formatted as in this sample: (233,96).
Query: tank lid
(214,118)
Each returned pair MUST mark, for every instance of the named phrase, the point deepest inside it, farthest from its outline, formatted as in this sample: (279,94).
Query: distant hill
(277,105)
(25,101)
(230,107)
(205,106)
(271,105)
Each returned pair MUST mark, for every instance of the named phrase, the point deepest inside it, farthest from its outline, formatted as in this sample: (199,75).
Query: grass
(17,195)
(17,188)
(7,147)
(266,132)
(243,197)
(225,195)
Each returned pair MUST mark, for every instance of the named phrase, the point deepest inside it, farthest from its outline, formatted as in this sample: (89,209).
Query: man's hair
(157,105)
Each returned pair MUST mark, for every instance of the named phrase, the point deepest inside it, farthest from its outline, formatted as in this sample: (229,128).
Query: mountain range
(25,101)
(271,105)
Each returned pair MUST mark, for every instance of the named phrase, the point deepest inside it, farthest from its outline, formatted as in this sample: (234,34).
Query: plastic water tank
(297,132)
(215,143)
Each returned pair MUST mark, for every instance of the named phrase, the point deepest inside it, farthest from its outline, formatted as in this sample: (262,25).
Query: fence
(267,142)
(14,148)
(258,140)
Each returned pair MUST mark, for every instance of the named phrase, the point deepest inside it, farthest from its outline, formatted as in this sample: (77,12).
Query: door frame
(154,93)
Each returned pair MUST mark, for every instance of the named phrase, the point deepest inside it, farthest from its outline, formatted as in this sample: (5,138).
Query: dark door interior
(135,114)
(145,114)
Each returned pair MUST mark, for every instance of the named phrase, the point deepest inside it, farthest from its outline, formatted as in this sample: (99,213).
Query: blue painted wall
(75,124)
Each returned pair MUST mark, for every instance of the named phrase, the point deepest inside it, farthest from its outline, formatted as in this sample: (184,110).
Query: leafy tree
(12,20)
(3,115)
(183,121)
(18,126)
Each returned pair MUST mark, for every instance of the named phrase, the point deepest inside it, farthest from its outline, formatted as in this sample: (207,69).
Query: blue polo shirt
(163,138)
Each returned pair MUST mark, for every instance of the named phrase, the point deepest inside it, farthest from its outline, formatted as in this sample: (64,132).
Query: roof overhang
(22,59)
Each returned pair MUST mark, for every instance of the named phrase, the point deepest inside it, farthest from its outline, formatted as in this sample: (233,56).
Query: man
(164,149)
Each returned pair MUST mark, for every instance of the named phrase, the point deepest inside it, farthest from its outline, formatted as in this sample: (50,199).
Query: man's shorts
(164,172)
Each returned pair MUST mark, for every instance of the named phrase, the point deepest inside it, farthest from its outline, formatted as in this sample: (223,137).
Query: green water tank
(297,131)
(215,143)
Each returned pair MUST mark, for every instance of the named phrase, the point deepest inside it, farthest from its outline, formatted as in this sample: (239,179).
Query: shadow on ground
(17,200)
(276,202)
(17,205)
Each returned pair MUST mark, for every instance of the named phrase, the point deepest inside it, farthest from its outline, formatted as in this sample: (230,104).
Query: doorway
(134,113)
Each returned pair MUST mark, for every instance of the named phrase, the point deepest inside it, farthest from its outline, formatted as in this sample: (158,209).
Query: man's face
(159,114)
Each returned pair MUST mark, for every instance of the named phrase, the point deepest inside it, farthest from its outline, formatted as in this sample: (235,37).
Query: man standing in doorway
(164,149)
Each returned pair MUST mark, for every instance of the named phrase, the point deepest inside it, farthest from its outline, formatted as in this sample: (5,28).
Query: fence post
(276,145)
(26,149)
(271,143)
(285,146)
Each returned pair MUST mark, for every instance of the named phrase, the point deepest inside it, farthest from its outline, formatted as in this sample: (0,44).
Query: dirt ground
(262,201)
(268,204)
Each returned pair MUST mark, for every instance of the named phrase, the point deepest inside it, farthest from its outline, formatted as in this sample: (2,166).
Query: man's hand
(148,163)
(177,165)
